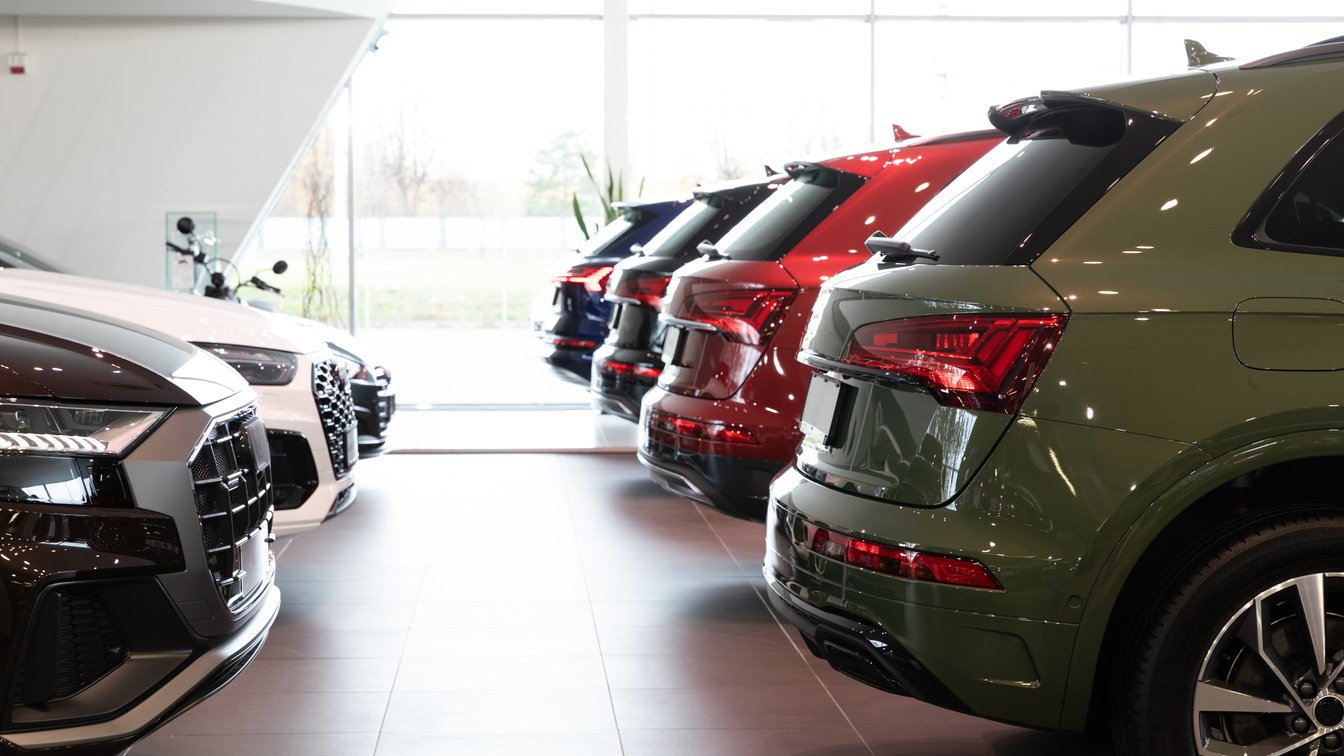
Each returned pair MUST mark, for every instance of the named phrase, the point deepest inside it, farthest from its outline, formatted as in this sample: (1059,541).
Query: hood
(333,337)
(183,316)
(55,352)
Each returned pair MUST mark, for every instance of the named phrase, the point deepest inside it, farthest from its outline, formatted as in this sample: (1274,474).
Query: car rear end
(571,318)
(934,536)
(135,487)
(628,364)
(723,419)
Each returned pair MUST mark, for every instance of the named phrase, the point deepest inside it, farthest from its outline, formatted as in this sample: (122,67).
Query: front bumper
(120,618)
(375,403)
(292,411)
(222,660)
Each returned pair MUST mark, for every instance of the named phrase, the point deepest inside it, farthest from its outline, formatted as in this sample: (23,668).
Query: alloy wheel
(1271,681)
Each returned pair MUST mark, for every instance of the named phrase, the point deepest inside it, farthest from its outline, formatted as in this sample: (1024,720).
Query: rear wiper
(708,249)
(896,251)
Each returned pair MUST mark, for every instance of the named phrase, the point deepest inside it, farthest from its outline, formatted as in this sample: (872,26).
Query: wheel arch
(1180,522)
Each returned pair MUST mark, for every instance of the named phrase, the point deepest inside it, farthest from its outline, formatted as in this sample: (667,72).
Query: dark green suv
(1074,447)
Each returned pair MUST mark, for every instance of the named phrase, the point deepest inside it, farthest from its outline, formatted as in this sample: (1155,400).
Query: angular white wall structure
(132,109)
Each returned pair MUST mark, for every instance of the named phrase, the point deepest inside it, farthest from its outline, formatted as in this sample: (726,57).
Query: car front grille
(336,408)
(231,475)
(387,404)
(76,642)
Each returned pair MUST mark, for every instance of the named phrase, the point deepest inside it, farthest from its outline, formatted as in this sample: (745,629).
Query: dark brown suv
(135,497)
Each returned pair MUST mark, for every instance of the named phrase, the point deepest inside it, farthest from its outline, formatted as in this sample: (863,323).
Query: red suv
(724,417)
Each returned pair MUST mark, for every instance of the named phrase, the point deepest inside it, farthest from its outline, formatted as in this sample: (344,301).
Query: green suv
(1074,446)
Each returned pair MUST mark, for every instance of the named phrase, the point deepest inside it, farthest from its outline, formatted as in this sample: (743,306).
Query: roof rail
(1330,48)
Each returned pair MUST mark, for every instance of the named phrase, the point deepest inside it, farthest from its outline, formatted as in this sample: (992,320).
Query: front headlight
(260,367)
(52,453)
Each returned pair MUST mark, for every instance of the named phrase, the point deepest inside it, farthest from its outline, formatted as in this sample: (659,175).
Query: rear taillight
(659,423)
(986,362)
(561,341)
(647,288)
(594,279)
(904,563)
(749,316)
(625,368)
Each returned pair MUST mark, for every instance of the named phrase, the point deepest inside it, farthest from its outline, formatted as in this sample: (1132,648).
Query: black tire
(1188,634)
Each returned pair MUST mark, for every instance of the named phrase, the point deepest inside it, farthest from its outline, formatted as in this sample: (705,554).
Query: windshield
(598,243)
(682,231)
(782,220)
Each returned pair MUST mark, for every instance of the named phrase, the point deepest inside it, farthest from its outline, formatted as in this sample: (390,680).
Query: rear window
(683,231)
(1013,203)
(597,244)
(782,220)
(1304,210)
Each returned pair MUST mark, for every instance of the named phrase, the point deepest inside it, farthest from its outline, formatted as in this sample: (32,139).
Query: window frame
(1250,231)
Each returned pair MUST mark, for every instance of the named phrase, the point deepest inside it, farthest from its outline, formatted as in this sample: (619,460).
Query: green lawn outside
(423,288)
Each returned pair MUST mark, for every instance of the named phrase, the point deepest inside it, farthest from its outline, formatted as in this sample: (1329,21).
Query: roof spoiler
(1196,55)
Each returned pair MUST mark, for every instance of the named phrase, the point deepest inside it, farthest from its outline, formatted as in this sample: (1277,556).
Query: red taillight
(593,279)
(665,423)
(648,288)
(625,368)
(749,316)
(904,563)
(986,362)
(560,341)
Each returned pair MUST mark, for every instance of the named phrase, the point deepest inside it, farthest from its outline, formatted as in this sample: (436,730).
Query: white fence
(442,233)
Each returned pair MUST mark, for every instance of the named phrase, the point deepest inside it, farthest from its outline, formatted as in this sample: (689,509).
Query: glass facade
(460,144)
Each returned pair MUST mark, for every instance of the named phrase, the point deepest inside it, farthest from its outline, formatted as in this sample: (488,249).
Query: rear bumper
(619,393)
(570,363)
(735,486)
(860,650)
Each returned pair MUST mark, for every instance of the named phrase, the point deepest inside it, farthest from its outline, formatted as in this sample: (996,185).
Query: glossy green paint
(900,444)
(1039,517)
(1149,522)
(1155,282)
(1176,97)
(1268,333)
(1155,395)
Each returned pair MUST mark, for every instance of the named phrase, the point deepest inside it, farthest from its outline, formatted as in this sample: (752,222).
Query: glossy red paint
(716,378)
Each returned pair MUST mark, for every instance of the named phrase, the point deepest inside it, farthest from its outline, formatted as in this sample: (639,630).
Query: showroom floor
(547,604)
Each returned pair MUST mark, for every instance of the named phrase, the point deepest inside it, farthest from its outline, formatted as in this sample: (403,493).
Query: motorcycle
(215,269)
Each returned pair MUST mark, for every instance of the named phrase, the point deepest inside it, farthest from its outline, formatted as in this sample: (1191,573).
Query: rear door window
(1307,213)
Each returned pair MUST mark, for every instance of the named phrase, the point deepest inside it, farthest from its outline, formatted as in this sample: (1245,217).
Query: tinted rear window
(1015,201)
(607,235)
(683,231)
(782,220)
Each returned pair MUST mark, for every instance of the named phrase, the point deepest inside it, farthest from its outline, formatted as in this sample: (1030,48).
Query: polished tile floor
(548,604)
